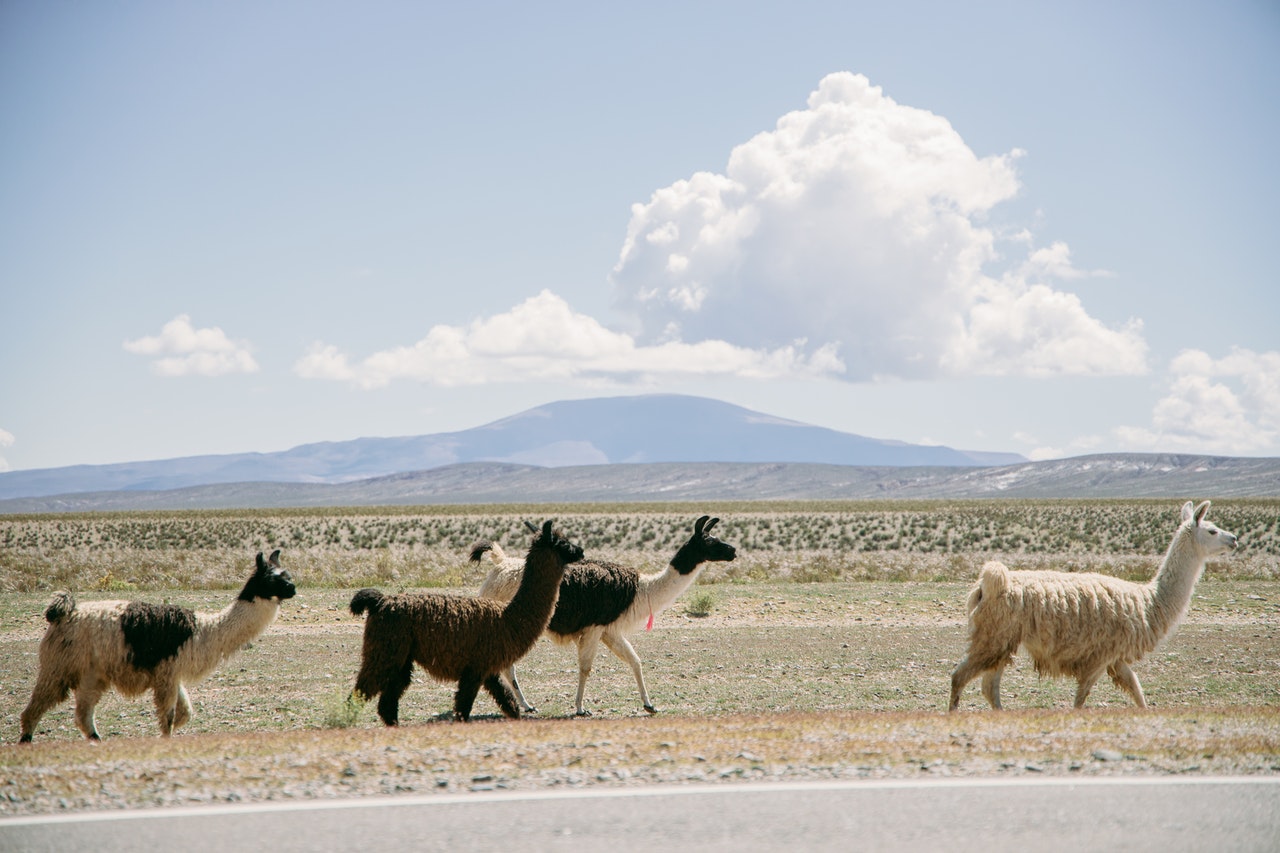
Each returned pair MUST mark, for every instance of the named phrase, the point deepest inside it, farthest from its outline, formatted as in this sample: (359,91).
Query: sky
(1032,227)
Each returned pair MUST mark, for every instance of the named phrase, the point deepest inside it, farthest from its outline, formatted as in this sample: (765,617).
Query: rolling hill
(1103,476)
(602,431)
(646,448)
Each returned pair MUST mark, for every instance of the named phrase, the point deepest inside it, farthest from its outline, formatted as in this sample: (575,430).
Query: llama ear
(546,529)
(261,563)
(700,525)
(274,559)
(532,529)
(1187,511)
(710,524)
(1200,511)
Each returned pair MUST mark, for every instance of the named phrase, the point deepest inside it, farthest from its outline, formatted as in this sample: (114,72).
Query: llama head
(702,547)
(1209,539)
(553,540)
(268,580)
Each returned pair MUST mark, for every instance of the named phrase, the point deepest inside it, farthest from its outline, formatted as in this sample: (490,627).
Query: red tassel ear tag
(649,625)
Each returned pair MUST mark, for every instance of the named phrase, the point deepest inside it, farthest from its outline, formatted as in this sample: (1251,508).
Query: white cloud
(858,223)
(183,350)
(849,242)
(542,338)
(1228,406)
(6,440)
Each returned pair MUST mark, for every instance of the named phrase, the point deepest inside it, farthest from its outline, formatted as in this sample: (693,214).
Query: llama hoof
(25,739)
(651,709)
(583,713)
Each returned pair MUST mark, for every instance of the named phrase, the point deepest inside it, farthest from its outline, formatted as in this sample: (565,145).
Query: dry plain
(808,664)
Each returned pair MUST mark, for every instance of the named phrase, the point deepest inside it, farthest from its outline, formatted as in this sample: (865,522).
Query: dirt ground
(779,681)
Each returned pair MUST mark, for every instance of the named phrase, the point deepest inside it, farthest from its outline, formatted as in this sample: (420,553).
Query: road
(1158,814)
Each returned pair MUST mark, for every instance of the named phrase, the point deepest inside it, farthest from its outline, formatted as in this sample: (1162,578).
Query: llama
(1083,624)
(136,646)
(459,638)
(601,601)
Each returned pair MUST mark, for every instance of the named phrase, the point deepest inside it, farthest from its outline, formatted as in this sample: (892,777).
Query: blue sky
(1030,227)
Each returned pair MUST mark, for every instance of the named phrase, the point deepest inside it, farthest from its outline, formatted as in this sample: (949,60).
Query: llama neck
(218,635)
(1175,580)
(529,610)
(660,590)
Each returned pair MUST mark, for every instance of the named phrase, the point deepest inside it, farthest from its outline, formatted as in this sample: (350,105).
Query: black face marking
(702,547)
(154,632)
(268,580)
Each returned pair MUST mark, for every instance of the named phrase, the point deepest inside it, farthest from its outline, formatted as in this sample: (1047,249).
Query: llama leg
(182,710)
(588,644)
(967,670)
(50,690)
(515,687)
(1124,678)
(501,693)
(465,698)
(368,683)
(392,688)
(622,648)
(166,701)
(87,695)
(1084,685)
(991,686)
(982,658)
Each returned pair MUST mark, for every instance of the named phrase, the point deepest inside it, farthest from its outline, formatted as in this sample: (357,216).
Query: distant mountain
(600,431)
(1108,476)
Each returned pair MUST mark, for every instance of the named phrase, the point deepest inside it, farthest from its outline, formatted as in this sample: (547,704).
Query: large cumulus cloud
(849,242)
(859,223)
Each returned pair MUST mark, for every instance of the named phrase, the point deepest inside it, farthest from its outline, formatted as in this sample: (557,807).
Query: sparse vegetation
(700,604)
(342,710)
(812,542)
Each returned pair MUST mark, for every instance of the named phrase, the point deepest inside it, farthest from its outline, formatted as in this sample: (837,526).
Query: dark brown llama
(458,638)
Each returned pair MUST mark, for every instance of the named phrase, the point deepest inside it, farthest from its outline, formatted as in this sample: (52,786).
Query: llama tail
(493,548)
(62,606)
(992,583)
(366,600)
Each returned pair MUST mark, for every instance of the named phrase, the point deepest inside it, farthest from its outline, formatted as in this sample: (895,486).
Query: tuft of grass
(700,604)
(342,711)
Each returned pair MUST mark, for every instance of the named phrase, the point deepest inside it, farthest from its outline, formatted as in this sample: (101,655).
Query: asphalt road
(1237,814)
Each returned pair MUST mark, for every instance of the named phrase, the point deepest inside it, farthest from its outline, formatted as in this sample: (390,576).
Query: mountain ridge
(595,431)
(1178,476)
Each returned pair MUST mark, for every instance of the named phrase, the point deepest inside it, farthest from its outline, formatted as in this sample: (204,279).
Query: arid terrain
(796,664)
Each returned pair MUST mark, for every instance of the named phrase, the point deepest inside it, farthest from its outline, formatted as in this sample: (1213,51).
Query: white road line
(379,801)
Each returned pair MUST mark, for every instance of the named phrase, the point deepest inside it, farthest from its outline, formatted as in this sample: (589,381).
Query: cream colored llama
(1083,624)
